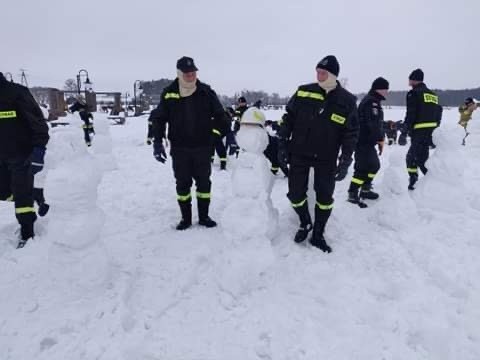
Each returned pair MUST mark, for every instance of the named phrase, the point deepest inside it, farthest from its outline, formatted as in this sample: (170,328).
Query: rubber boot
(305,223)
(367,193)
(203,218)
(186,210)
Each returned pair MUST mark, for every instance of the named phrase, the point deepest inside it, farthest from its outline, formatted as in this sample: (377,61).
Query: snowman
(249,221)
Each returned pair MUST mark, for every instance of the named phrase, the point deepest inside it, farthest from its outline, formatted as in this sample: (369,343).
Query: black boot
(355,199)
(39,198)
(367,193)
(186,210)
(413,179)
(223,164)
(203,218)
(305,223)
(318,240)
(26,233)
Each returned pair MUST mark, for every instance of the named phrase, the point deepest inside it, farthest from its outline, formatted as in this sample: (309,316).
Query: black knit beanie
(329,63)
(380,84)
(416,75)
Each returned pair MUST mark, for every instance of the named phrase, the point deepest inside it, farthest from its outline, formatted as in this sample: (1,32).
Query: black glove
(402,139)
(36,159)
(342,168)
(282,154)
(159,151)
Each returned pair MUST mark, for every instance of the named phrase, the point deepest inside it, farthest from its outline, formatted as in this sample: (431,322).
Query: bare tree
(70,85)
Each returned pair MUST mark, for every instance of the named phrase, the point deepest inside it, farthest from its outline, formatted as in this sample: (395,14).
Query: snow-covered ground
(108,277)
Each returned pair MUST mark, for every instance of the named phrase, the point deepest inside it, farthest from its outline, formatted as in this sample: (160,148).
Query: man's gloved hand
(37,159)
(282,154)
(380,144)
(159,151)
(342,168)
(402,139)
(149,141)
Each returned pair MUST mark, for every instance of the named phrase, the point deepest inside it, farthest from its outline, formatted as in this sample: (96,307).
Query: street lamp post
(135,95)
(88,84)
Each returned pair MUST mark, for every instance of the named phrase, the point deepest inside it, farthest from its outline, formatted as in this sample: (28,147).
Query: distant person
(193,114)
(466,110)
(80,105)
(231,145)
(23,141)
(271,152)
(391,130)
(423,116)
(371,136)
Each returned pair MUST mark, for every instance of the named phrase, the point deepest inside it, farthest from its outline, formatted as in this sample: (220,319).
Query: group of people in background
(322,129)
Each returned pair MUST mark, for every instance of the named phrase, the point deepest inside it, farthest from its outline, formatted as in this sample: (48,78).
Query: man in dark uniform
(194,116)
(23,140)
(367,164)
(320,119)
(423,116)
(80,105)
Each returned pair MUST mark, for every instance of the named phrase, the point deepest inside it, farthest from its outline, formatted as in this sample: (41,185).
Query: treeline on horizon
(154,89)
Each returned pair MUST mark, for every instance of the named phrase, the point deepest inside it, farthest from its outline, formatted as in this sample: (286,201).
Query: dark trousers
(324,186)
(231,143)
(418,152)
(16,183)
(366,167)
(219,147)
(192,164)
(271,153)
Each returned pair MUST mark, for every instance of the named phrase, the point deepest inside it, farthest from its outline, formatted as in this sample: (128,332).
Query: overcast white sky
(269,45)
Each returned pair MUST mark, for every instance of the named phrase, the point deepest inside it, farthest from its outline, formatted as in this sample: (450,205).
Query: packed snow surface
(108,276)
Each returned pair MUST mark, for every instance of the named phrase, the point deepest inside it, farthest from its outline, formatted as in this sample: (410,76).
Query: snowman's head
(253,116)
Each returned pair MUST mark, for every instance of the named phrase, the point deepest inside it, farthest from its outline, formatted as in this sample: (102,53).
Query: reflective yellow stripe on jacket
(8,114)
(309,94)
(172,96)
(430,98)
(425,125)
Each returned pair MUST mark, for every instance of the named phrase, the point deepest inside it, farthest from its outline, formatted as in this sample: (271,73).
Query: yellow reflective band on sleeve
(325,206)
(223,159)
(10,198)
(412,170)
(338,119)
(300,204)
(172,96)
(430,98)
(358,181)
(425,125)
(275,168)
(371,175)
(8,114)
(201,195)
(216,132)
(311,95)
(24,210)
(184,198)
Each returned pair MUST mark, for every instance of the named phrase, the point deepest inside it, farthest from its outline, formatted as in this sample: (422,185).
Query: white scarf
(329,84)
(186,88)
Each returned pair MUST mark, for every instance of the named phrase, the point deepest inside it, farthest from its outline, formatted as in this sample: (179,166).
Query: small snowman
(249,220)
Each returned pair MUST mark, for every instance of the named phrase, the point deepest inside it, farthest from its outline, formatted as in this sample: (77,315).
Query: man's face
(412,83)
(190,76)
(383,92)
(322,75)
